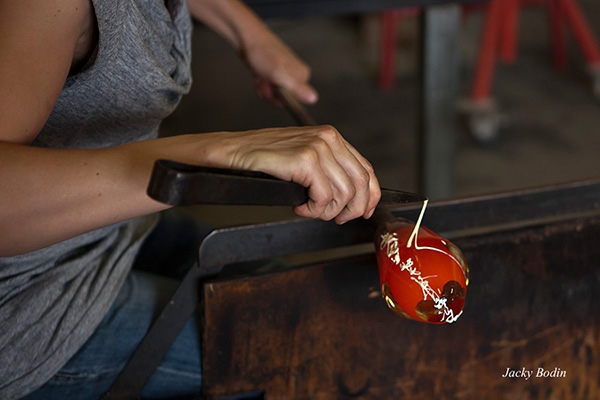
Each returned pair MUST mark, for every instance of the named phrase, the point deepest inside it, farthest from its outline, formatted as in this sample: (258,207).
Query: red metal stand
(500,35)
(387,59)
(557,36)
(486,60)
(581,30)
(509,26)
(499,40)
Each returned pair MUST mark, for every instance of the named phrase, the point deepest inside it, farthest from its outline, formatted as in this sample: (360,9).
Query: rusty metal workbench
(322,330)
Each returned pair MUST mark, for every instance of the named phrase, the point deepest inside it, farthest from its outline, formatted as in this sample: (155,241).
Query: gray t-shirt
(51,300)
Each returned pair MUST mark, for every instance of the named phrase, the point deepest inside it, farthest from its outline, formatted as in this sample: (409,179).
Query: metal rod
(295,108)
(439,90)
(488,213)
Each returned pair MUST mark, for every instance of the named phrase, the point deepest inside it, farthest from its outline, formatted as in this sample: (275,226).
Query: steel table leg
(440,60)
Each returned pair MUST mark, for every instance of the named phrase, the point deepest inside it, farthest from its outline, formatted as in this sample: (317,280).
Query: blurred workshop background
(544,127)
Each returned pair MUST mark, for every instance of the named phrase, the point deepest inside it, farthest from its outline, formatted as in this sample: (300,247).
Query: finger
(341,189)
(319,198)
(302,91)
(361,173)
(344,187)
(296,82)
(305,93)
(357,205)
(373,188)
(320,192)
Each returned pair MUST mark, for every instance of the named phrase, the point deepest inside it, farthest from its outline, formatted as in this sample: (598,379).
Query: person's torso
(136,77)
(52,299)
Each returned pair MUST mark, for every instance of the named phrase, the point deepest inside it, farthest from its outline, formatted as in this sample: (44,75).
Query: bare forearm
(271,61)
(232,19)
(50,195)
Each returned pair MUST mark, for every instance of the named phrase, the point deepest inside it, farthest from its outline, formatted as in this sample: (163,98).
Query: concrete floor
(551,119)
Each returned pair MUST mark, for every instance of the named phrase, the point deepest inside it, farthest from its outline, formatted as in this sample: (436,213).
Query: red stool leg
(487,53)
(508,40)
(387,57)
(557,35)
(573,15)
(479,110)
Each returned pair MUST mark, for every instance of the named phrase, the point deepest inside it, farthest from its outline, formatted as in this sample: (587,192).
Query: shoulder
(65,15)
(38,40)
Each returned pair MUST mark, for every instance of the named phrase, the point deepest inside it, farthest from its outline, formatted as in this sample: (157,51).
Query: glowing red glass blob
(423,276)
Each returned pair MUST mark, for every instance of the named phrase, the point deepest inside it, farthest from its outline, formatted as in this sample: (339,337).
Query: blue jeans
(166,255)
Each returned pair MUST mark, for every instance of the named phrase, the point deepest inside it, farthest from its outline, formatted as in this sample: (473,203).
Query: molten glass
(423,276)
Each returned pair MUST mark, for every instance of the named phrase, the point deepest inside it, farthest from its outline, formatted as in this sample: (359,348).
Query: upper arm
(37,43)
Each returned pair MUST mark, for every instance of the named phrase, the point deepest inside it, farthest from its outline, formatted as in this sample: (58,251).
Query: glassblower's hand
(274,64)
(341,183)
(270,60)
